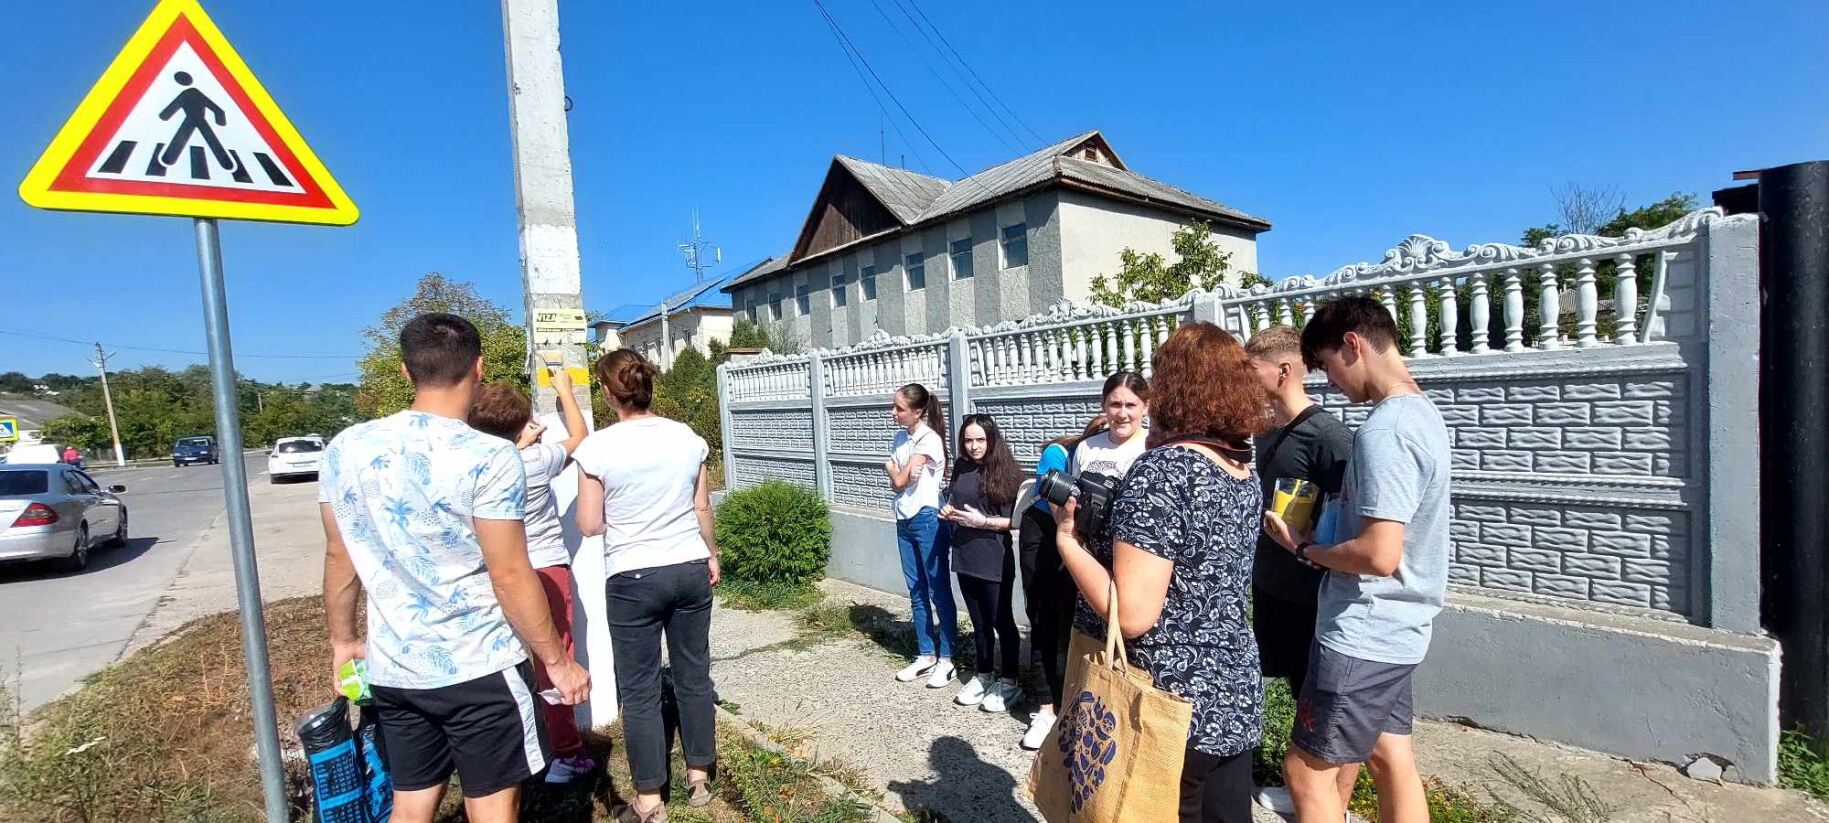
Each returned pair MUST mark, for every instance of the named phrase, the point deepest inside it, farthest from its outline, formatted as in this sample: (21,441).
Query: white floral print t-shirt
(405,489)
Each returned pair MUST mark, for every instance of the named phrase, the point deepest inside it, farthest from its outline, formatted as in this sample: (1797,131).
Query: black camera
(1093,490)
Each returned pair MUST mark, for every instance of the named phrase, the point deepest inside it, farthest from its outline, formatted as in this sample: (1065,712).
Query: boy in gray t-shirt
(1387,572)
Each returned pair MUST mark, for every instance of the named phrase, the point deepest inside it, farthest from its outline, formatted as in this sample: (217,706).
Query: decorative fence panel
(1602,429)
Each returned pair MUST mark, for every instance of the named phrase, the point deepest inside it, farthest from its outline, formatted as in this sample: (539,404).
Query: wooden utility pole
(114,428)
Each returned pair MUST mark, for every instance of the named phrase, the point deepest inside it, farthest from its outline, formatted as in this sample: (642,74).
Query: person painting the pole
(424,515)
(505,411)
(916,459)
(1387,572)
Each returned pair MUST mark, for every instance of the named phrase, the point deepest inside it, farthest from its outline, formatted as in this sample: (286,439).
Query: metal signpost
(179,126)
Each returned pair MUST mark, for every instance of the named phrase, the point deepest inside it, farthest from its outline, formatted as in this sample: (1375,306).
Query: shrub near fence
(774,540)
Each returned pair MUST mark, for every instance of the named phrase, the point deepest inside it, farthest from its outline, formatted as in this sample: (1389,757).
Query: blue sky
(1348,127)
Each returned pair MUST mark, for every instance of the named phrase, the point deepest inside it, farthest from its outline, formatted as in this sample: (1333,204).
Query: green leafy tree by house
(384,390)
(1151,278)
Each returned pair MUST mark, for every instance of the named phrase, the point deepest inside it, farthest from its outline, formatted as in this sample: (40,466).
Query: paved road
(56,628)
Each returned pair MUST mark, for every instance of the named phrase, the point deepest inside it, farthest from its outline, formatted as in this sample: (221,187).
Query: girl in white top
(916,459)
(643,487)
(1110,452)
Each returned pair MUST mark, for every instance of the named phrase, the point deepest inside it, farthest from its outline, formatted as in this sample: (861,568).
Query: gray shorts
(1346,703)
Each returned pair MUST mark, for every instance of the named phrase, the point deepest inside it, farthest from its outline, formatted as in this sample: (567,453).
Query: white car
(294,457)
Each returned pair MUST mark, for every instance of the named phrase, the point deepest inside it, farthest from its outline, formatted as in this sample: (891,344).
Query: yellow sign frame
(36,190)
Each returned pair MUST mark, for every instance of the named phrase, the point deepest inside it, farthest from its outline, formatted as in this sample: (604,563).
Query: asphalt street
(57,628)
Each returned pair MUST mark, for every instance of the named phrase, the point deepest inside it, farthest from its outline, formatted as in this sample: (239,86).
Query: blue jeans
(925,568)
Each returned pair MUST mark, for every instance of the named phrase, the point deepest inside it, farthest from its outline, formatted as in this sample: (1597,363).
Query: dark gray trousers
(644,604)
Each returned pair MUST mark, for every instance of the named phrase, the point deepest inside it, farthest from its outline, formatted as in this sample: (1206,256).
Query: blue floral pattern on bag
(1088,743)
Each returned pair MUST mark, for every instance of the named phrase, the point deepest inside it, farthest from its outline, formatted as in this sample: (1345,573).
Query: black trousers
(644,604)
(1216,789)
(989,604)
(1285,631)
(1048,592)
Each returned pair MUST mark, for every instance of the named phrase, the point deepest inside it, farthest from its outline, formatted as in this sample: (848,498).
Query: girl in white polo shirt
(915,462)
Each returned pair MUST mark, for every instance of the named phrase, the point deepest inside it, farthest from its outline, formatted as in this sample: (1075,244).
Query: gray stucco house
(891,249)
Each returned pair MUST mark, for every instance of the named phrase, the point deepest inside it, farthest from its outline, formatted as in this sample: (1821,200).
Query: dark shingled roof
(916,199)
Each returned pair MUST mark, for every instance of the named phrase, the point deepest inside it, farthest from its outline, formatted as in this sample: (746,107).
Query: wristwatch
(1302,554)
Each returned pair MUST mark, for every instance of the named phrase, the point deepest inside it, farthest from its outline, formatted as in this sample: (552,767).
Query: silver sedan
(57,512)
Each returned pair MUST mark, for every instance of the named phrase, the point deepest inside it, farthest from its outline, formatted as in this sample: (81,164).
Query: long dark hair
(919,397)
(998,468)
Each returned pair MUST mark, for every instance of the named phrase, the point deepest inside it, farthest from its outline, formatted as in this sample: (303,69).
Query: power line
(879,81)
(177,351)
(1016,147)
(956,73)
(974,73)
(872,89)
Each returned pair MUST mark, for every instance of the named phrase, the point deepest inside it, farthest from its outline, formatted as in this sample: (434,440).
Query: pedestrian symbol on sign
(194,104)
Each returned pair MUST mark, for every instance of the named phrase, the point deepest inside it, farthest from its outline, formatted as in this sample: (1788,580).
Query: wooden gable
(1094,149)
(844,212)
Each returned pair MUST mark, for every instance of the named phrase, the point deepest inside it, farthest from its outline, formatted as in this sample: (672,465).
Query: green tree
(688,392)
(384,389)
(1150,278)
(83,431)
(749,334)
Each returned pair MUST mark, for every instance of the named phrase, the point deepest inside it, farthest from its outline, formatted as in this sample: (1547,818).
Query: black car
(194,450)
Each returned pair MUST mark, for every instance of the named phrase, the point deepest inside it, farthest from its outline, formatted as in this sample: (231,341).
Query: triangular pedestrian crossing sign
(178,125)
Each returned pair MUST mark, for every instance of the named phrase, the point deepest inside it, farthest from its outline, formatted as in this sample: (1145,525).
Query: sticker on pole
(178,125)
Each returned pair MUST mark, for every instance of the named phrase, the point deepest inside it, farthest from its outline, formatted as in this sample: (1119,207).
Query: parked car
(36,453)
(294,457)
(194,450)
(55,512)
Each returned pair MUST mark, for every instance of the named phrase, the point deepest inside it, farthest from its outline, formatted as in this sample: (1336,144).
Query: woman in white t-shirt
(504,411)
(1125,402)
(916,460)
(642,485)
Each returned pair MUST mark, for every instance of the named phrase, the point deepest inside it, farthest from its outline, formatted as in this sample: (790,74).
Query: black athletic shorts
(1348,702)
(487,730)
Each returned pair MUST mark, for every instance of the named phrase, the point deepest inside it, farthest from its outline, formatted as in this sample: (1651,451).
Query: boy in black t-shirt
(1309,444)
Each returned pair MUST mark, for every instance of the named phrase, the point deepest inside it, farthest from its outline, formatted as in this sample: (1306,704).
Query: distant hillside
(31,411)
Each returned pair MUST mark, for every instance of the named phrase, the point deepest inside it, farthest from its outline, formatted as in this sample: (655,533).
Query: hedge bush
(775,533)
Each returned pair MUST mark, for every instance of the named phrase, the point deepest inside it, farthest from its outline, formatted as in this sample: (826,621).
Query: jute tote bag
(1116,752)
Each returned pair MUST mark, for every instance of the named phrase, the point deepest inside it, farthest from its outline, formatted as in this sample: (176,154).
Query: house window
(962,258)
(803,299)
(916,266)
(838,291)
(774,307)
(866,277)
(1015,245)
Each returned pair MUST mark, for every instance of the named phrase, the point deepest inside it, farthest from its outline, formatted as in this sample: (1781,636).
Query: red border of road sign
(74,176)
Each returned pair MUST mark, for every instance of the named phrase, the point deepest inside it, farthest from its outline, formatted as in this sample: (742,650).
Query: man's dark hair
(1334,318)
(439,349)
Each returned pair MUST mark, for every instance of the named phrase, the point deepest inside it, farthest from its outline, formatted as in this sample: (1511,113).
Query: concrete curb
(879,813)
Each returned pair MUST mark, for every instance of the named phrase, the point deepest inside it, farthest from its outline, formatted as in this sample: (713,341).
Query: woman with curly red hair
(1179,546)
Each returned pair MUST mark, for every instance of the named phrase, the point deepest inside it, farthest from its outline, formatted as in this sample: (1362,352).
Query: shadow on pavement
(966,788)
(100,557)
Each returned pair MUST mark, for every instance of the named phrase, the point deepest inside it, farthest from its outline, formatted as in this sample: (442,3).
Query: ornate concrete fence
(1605,578)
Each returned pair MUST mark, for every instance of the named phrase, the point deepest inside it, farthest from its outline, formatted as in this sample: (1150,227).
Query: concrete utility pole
(101,362)
(550,277)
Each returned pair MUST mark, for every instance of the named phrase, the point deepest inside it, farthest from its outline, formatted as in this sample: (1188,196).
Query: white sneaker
(1276,799)
(1001,696)
(974,690)
(1040,724)
(920,666)
(941,675)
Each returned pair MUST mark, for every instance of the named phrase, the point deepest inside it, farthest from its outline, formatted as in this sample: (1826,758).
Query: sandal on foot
(698,793)
(626,813)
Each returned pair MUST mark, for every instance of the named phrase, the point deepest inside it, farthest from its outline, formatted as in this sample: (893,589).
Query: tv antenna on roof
(694,250)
